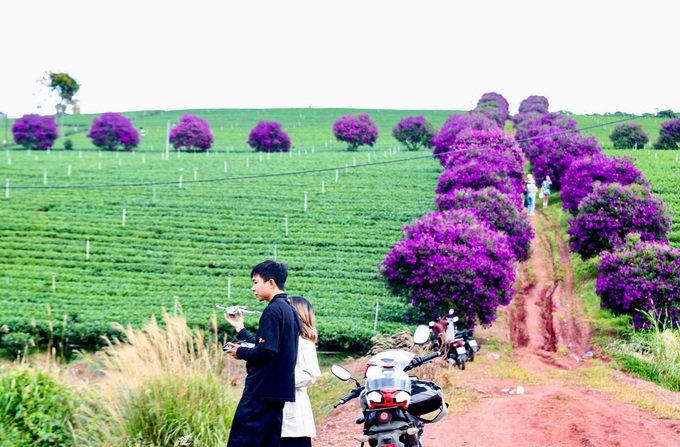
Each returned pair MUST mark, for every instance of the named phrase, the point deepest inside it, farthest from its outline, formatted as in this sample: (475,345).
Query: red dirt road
(551,352)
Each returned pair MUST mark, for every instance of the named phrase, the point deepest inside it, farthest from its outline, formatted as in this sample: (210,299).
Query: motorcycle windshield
(397,357)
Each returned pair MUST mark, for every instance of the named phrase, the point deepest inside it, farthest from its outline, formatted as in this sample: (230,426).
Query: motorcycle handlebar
(354,393)
(417,361)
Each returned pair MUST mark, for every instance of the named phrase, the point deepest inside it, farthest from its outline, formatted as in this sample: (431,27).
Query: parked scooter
(395,405)
(459,347)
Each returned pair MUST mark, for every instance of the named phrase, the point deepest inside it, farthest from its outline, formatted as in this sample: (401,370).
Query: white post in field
(195,173)
(305,201)
(181,170)
(87,249)
(124,215)
(323,186)
(69,170)
(167,141)
(229,287)
(375,322)
(369,156)
(285,224)
(225,166)
(153,194)
(54,282)
(7,189)
(45,177)
(336,176)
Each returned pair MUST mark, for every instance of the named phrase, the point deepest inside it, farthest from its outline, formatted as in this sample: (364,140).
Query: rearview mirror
(341,373)
(421,334)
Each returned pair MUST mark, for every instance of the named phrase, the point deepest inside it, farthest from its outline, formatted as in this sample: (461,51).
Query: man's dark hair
(272,270)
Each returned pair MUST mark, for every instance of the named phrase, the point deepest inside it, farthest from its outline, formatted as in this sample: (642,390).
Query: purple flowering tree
(628,136)
(498,211)
(356,130)
(553,153)
(478,174)
(641,281)
(414,132)
(193,133)
(449,259)
(586,172)
(494,106)
(112,130)
(446,137)
(35,131)
(534,103)
(669,135)
(611,212)
(269,136)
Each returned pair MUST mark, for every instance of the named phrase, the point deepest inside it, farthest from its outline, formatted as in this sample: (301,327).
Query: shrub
(269,136)
(553,153)
(35,409)
(629,136)
(193,133)
(669,135)
(534,103)
(446,137)
(586,172)
(111,130)
(478,174)
(494,208)
(612,211)
(640,281)
(495,107)
(68,144)
(414,132)
(355,130)
(35,131)
(449,259)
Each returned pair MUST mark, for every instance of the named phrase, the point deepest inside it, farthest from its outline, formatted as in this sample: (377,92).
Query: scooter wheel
(471,357)
(461,365)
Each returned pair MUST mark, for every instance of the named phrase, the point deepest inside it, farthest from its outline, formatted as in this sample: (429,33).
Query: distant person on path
(270,365)
(298,419)
(531,195)
(545,190)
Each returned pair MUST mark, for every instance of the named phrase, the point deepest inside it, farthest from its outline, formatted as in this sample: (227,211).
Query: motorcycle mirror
(341,373)
(421,334)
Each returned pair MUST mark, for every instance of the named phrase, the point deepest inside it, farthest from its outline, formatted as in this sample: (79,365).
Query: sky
(585,57)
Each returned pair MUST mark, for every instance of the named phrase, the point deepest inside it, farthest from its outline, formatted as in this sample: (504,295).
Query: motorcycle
(395,405)
(459,347)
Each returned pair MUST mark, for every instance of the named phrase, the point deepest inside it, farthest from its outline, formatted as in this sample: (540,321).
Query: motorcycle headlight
(402,396)
(374,396)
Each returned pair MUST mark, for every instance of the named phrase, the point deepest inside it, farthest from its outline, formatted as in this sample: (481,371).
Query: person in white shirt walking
(298,419)
(531,195)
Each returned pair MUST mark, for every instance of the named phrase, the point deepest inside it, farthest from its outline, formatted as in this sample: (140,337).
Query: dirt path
(548,406)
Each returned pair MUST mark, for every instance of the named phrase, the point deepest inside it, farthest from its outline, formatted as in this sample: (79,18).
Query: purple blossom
(449,259)
(494,208)
(586,172)
(192,132)
(414,132)
(641,280)
(611,212)
(268,136)
(355,130)
(444,140)
(111,130)
(35,131)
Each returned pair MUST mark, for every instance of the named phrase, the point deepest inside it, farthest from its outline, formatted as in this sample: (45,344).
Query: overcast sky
(594,56)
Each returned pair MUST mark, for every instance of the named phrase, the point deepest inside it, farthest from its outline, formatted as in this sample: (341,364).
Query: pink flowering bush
(35,131)
(641,280)
(532,125)
(192,133)
(444,140)
(611,212)
(111,130)
(449,259)
(498,211)
(355,130)
(414,132)
(269,136)
(585,173)
(628,136)
(495,107)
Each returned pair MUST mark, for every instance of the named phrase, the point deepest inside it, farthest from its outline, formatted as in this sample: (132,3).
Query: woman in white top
(531,195)
(298,427)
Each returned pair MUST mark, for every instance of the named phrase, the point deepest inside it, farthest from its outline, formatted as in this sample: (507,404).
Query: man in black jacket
(270,365)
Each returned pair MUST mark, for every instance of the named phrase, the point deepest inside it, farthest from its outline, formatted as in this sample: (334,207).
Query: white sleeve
(307,367)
